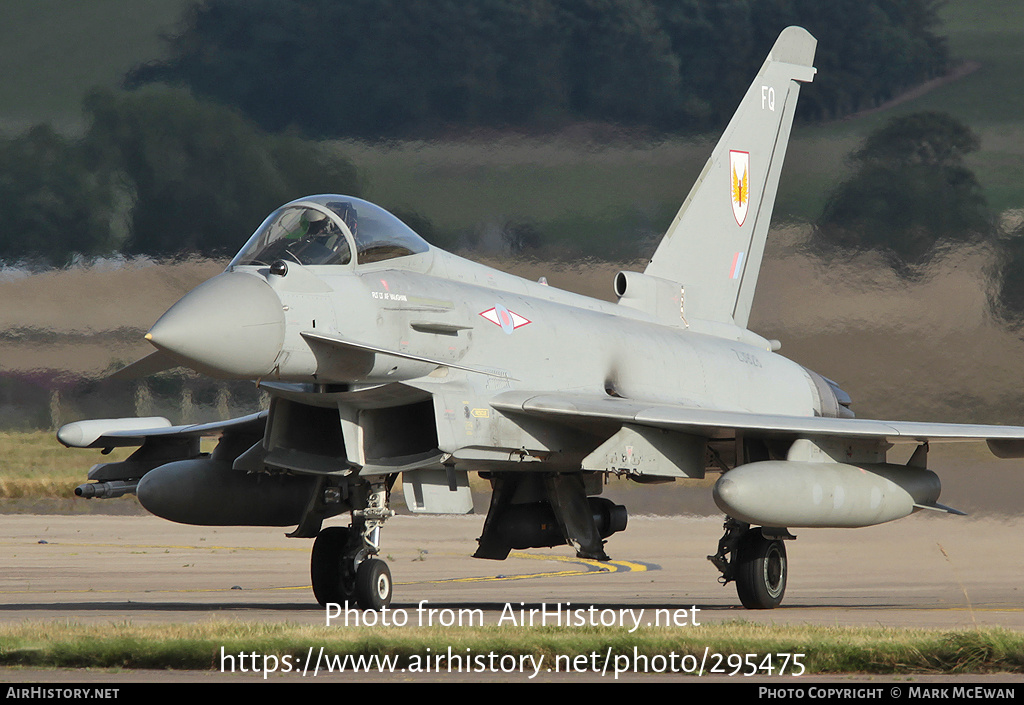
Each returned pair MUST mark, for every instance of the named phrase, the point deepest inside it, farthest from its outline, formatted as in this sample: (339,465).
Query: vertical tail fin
(714,245)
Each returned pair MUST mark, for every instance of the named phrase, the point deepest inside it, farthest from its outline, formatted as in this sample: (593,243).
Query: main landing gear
(344,567)
(755,559)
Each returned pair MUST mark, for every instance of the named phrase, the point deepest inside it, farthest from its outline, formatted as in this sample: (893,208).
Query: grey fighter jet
(384,355)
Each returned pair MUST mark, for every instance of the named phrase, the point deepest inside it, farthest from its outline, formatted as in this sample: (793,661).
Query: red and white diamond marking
(508,320)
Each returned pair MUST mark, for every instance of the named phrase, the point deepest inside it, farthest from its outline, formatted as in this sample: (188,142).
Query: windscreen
(297,234)
(324,234)
(378,234)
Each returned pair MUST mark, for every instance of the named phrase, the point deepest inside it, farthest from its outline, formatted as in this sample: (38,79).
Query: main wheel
(760,571)
(331,566)
(373,584)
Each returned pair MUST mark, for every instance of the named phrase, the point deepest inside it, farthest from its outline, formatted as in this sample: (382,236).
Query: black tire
(761,571)
(373,584)
(330,566)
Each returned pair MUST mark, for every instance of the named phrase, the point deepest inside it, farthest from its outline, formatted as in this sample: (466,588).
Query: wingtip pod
(714,246)
(83,434)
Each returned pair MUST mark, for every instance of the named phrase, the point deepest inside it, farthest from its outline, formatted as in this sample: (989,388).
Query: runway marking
(92,591)
(584,566)
(179,547)
(594,565)
(587,566)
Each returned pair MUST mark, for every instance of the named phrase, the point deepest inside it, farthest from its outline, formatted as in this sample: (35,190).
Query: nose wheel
(342,573)
(332,566)
(373,584)
(343,565)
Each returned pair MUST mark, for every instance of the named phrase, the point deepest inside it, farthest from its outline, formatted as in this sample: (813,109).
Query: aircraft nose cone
(231,326)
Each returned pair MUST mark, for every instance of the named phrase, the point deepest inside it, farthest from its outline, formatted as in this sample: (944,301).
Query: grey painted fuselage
(385,356)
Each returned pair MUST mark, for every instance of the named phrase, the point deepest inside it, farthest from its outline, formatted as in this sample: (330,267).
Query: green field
(796,650)
(34,465)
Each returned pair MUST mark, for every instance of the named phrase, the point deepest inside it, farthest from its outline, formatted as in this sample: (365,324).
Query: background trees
(157,173)
(161,170)
(910,193)
(55,203)
(199,174)
(385,68)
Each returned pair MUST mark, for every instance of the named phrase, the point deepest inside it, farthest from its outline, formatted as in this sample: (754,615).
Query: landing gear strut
(755,559)
(343,566)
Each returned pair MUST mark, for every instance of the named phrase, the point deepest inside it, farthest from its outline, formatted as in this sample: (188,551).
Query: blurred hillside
(899,347)
(926,350)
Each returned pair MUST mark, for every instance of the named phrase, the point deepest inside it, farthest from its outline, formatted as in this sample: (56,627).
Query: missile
(795,494)
(106,490)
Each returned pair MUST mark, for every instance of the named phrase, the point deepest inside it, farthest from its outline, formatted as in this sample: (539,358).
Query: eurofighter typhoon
(386,356)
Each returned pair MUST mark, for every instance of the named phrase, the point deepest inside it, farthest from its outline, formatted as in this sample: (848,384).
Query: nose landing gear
(343,566)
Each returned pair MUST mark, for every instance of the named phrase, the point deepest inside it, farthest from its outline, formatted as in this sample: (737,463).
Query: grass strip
(35,465)
(826,649)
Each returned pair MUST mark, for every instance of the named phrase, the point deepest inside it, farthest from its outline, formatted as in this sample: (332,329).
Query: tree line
(157,173)
(162,170)
(911,198)
(395,68)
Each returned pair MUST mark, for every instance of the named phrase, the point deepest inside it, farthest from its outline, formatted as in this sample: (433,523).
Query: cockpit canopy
(328,230)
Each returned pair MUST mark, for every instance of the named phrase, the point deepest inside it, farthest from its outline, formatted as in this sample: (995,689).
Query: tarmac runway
(924,571)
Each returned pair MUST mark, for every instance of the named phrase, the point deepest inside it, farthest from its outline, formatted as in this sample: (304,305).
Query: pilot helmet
(310,216)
